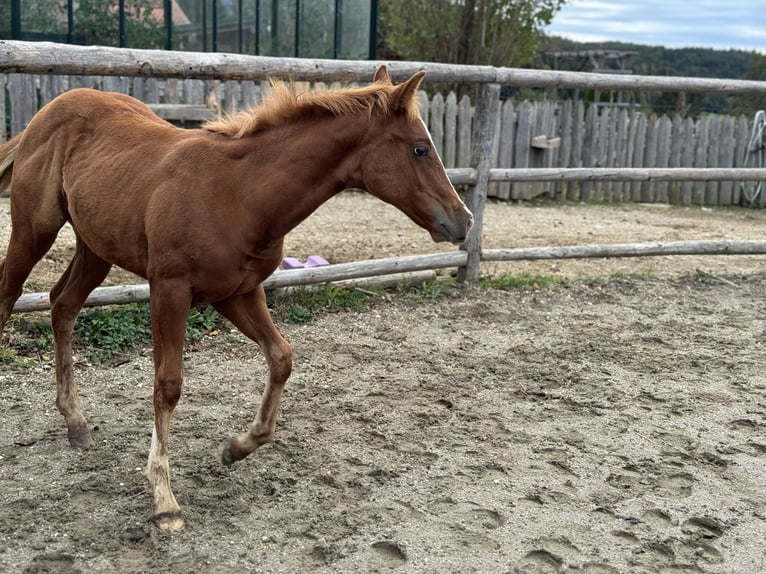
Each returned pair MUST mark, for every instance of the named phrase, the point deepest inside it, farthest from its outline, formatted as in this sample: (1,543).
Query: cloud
(672,23)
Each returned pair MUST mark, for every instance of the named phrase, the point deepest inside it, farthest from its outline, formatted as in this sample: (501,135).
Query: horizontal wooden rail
(122,294)
(657,248)
(629,174)
(467,175)
(51,58)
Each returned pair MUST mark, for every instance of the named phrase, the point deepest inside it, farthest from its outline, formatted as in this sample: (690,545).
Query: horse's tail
(7,157)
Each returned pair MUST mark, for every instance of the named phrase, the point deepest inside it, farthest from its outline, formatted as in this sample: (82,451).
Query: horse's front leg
(170,303)
(250,314)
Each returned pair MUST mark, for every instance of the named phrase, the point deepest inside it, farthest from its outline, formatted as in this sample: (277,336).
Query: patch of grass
(10,358)
(104,333)
(702,276)
(202,321)
(523,282)
(301,305)
(437,289)
(109,331)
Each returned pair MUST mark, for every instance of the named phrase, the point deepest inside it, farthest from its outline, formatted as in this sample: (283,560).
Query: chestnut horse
(201,214)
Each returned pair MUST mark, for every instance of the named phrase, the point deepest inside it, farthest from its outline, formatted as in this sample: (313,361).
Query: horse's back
(91,158)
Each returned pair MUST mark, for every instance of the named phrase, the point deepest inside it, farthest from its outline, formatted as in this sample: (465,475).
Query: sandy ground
(612,425)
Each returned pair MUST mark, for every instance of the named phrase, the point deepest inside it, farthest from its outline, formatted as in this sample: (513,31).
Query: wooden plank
(522,150)
(450,130)
(590,142)
(50,87)
(464,130)
(714,142)
(231,97)
(621,153)
(674,158)
(742,137)
(436,122)
(251,94)
(650,156)
(662,158)
(603,121)
(578,127)
(565,151)
(687,159)
(119,84)
(700,159)
(638,153)
(22,97)
(194,92)
(173,92)
(726,159)
(507,133)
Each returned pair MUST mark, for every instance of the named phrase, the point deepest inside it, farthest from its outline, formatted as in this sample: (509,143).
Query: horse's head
(402,167)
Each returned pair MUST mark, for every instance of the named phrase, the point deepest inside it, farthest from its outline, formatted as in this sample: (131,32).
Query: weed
(523,282)
(437,289)
(106,332)
(110,331)
(704,276)
(301,305)
(200,322)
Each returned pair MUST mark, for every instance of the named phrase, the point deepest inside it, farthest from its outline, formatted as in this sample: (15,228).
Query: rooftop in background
(311,28)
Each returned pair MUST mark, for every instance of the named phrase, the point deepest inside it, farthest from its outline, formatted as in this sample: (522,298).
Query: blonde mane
(285,104)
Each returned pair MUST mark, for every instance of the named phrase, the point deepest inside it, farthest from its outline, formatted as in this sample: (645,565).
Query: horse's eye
(420,151)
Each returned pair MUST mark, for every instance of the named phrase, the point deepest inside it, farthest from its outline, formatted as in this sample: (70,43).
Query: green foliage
(523,282)
(301,305)
(661,61)
(750,103)
(702,276)
(437,289)
(201,321)
(105,332)
(110,331)
(492,32)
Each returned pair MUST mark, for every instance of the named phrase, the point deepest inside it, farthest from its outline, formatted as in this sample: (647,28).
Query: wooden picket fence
(566,134)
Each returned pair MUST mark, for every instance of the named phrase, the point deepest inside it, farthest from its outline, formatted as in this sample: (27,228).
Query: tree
(748,104)
(488,32)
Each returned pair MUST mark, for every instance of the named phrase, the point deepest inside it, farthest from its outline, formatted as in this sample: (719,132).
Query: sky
(719,24)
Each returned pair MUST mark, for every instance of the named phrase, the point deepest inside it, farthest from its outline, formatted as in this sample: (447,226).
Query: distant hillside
(660,61)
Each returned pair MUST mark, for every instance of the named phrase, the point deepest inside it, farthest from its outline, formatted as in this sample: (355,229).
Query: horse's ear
(381,76)
(407,91)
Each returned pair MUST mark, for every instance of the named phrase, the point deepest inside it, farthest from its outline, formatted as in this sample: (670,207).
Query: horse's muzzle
(453,229)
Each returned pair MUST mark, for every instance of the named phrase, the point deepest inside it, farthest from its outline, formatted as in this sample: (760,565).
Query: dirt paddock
(612,425)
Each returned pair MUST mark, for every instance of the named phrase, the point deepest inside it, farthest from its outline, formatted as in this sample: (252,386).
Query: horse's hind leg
(25,249)
(85,272)
(36,222)
(250,314)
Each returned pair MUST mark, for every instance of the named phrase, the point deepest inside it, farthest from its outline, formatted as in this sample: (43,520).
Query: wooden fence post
(484,126)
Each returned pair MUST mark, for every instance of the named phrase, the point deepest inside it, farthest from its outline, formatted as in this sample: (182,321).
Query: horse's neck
(297,170)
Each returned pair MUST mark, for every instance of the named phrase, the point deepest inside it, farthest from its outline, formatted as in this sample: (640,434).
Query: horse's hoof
(169,521)
(80,439)
(231,453)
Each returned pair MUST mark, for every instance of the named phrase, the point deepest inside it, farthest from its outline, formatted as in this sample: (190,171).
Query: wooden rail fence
(539,134)
(610,179)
